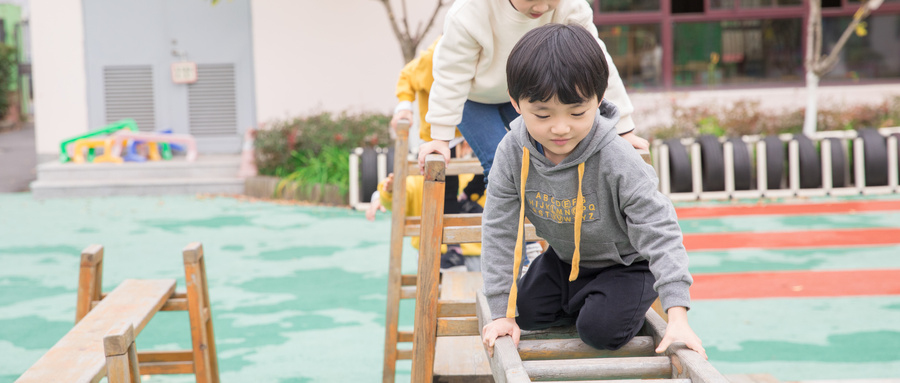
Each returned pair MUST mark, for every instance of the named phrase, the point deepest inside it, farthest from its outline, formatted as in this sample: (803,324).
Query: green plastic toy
(165,150)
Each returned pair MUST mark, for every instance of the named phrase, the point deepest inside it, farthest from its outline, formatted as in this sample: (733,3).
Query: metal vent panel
(212,101)
(128,93)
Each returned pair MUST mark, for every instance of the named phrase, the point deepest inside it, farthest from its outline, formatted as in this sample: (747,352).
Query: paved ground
(17,159)
(298,293)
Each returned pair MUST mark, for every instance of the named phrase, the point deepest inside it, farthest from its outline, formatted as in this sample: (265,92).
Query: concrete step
(206,166)
(42,189)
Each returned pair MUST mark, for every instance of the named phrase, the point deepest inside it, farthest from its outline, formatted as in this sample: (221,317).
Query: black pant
(606,305)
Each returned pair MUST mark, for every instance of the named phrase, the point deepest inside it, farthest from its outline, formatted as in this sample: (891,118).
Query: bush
(7,66)
(315,150)
(747,118)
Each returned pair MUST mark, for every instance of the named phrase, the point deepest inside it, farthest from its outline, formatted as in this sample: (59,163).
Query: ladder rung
(457,167)
(653,367)
(576,349)
(466,326)
(408,280)
(404,354)
(404,336)
(627,381)
(408,292)
(448,308)
(561,332)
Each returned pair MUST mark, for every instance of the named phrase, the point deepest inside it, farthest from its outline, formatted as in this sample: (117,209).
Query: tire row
(712,163)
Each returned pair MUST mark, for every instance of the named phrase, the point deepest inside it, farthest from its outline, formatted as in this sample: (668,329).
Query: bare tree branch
(408,41)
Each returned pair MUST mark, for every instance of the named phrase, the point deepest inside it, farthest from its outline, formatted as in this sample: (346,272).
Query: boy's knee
(604,336)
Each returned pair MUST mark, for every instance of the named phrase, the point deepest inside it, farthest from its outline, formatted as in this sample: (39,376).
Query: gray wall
(129,48)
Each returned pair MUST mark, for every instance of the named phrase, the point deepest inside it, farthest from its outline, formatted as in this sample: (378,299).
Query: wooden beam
(506,365)
(576,349)
(463,326)
(654,367)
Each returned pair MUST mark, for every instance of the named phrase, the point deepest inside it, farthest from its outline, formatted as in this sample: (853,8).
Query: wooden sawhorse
(79,356)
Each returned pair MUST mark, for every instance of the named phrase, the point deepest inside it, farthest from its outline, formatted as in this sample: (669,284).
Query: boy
(469,90)
(613,237)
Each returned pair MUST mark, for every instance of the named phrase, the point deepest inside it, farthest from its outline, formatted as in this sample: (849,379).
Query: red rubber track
(789,239)
(788,209)
(796,284)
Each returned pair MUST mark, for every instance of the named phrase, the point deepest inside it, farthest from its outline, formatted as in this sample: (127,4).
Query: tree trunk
(812,105)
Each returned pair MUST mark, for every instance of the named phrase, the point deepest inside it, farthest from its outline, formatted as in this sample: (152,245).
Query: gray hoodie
(625,219)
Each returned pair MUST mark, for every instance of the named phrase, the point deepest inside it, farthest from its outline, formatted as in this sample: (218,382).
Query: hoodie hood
(602,133)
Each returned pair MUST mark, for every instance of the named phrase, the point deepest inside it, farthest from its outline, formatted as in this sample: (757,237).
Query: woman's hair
(557,60)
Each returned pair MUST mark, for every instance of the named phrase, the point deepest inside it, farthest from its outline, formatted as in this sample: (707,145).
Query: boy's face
(558,127)
(534,8)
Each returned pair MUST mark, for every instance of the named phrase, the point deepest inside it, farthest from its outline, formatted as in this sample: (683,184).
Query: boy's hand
(637,142)
(679,330)
(434,146)
(497,328)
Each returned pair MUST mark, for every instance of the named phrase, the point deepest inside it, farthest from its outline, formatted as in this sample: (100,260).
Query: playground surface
(809,292)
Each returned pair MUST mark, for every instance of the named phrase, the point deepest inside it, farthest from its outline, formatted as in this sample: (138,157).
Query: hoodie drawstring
(579,211)
(520,235)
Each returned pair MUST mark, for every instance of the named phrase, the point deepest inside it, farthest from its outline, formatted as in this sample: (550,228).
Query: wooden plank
(576,349)
(563,332)
(121,356)
(472,234)
(408,280)
(79,356)
(460,358)
(425,320)
(404,354)
(175,304)
(404,336)
(167,368)
(654,367)
(456,308)
(395,277)
(631,381)
(457,166)
(686,363)
(203,340)
(506,366)
(90,278)
(408,292)
(165,356)
(462,219)
(459,326)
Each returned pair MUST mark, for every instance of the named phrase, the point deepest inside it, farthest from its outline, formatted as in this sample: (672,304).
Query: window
(637,52)
(735,52)
(629,5)
(875,55)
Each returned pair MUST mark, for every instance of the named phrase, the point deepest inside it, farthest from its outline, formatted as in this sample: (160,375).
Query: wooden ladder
(431,319)
(558,355)
(403,286)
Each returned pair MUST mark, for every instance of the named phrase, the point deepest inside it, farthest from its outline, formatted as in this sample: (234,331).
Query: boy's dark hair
(557,60)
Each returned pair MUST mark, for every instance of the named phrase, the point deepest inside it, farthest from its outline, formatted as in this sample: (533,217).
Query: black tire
(774,162)
(743,166)
(680,178)
(838,164)
(712,163)
(368,169)
(875,156)
(810,163)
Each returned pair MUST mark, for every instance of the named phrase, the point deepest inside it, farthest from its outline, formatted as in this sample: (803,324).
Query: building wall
(313,55)
(60,91)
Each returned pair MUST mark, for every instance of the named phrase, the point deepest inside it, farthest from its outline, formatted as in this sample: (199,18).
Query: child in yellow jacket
(414,188)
